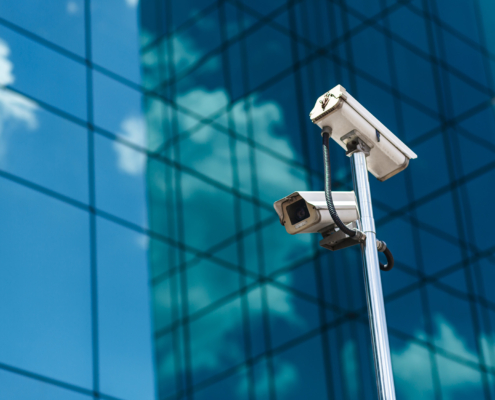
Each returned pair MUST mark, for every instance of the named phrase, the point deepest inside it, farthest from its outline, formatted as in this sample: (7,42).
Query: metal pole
(372,281)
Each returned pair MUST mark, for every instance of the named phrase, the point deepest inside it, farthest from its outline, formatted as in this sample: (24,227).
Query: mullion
(246,326)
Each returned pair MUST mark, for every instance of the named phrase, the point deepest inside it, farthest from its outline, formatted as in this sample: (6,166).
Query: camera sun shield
(349,120)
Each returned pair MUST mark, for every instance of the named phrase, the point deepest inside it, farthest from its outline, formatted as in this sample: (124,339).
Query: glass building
(142,145)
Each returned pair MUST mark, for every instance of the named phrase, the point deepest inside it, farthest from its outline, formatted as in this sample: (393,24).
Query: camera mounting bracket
(354,143)
(334,239)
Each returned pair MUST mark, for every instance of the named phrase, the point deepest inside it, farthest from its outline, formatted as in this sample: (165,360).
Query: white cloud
(186,53)
(129,160)
(412,365)
(14,109)
(6,66)
(143,241)
(72,7)
(132,3)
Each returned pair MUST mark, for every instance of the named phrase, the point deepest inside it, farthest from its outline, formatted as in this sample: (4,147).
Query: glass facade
(142,145)
(74,284)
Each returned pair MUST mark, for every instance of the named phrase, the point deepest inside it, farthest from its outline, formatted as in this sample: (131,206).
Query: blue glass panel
(115,37)
(215,160)
(417,124)
(405,312)
(282,250)
(165,302)
(167,362)
(459,15)
(409,25)
(269,54)
(486,10)
(370,53)
(186,10)
(412,370)
(56,147)
(459,380)
(299,372)
(209,283)
(302,278)
(454,325)
(233,387)
(277,178)
(265,7)
(46,283)
(465,59)
(467,96)
(60,22)
(18,387)
(477,192)
(431,170)
(53,78)
(479,124)
(213,206)
(457,280)
(337,384)
(290,316)
(275,119)
(125,348)
(349,357)
(261,381)
(118,109)
(484,276)
(364,7)
(120,181)
(215,350)
(257,300)
(417,82)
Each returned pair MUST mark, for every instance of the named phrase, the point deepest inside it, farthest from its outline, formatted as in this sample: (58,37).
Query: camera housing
(307,212)
(351,124)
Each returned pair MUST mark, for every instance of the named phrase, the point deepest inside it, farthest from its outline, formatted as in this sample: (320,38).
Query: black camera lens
(298,211)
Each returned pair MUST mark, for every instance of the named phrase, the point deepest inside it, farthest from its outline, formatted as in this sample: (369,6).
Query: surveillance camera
(351,125)
(307,212)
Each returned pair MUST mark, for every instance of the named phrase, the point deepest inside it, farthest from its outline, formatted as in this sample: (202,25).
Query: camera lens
(298,211)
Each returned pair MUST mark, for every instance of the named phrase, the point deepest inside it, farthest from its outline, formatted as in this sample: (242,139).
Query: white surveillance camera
(348,122)
(307,212)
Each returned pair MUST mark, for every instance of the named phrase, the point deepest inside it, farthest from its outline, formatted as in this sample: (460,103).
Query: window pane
(18,387)
(52,78)
(412,370)
(126,362)
(120,180)
(56,147)
(118,109)
(46,283)
(60,22)
(116,37)
(215,350)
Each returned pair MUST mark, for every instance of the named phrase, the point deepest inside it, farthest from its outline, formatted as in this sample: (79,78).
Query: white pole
(372,281)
